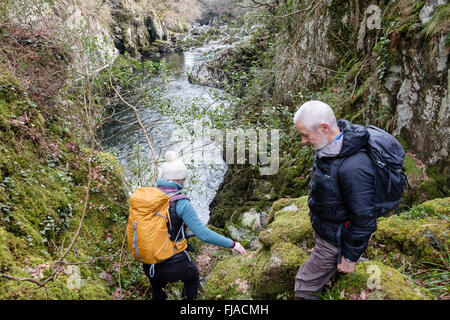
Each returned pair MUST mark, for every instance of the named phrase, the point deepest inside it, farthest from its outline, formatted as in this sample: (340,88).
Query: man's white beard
(323,142)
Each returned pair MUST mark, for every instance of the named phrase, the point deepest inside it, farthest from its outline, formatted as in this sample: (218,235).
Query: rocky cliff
(384,64)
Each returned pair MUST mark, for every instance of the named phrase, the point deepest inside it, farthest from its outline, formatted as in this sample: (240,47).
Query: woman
(182,214)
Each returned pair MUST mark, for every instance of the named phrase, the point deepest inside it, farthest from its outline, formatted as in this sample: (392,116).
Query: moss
(440,206)
(372,280)
(241,234)
(421,239)
(6,245)
(10,89)
(289,226)
(41,201)
(290,179)
(274,273)
(278,205)
(415,174)
(230,278)
(233,194)
(55,127)
(429,189)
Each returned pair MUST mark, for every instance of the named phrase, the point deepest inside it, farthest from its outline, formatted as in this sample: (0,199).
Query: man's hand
(239,248)
(345,266)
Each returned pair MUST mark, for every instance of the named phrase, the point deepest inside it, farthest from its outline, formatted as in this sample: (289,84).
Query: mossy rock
(421,239)
(414,174)
(273,276)
(278,205)
(262,190)
(233,194)
(252,218)
(439,206)
(289,226)
(429,189)
(245,236)
(230,278)
(301,203)
(372,280)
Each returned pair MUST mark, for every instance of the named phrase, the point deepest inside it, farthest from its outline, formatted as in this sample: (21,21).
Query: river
(124,138)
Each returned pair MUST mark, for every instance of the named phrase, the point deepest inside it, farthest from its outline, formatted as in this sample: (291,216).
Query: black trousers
(185,270)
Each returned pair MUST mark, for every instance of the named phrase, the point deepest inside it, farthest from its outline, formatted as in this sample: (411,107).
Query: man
(182,215)
(341,199)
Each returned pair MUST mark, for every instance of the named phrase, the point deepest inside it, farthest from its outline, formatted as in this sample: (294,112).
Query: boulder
(289,225)
(273,276)
(421,239)
(372,280)
(230,279)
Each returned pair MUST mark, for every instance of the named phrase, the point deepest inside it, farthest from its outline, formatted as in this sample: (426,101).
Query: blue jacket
(341,199)
(186,211)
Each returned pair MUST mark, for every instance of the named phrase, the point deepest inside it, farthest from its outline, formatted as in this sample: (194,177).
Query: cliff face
(398,62)
(135,27)
(386,65)
(139,27)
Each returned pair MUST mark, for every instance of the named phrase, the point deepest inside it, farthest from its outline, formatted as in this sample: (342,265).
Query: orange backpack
(147,233)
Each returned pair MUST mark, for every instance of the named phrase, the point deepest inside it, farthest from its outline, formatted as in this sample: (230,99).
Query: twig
(143,130)
(88,188)
(301,10)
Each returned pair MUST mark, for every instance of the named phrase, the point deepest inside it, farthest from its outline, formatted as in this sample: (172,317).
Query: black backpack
(387,156)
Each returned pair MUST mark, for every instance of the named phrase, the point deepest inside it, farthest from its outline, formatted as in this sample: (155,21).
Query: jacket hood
(355,137)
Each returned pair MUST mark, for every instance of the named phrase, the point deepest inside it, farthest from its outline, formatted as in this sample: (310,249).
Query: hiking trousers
(185,270)
(318,269)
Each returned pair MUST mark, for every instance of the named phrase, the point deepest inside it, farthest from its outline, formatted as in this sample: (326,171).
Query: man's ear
(324,128)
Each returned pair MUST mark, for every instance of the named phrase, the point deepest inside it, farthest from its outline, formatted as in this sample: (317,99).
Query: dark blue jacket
(341,199)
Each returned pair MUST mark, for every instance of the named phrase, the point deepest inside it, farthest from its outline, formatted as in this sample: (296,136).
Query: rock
(269,272)
(229,278)
(251,219)
(414,238)
(263,190)
(275,270)
(290,226)
(372,280)
(426,13)
(137,29)
(247,237)
(292,207)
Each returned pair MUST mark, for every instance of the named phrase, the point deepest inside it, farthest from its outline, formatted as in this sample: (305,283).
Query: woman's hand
(239,248)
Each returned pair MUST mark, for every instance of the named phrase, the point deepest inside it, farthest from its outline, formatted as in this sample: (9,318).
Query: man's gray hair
(312,113)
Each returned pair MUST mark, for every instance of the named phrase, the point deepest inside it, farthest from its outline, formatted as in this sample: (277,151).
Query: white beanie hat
(173,168)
